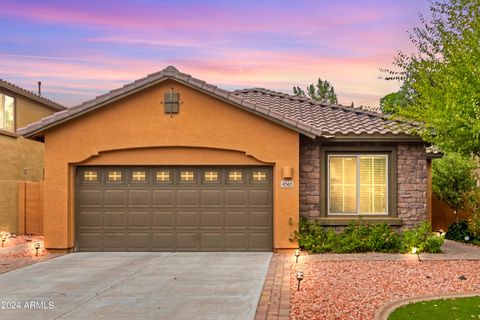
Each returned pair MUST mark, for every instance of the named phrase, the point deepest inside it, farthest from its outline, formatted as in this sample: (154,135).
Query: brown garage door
(174,209)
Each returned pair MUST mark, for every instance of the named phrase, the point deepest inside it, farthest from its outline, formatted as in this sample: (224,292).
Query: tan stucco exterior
(21,159)
(135,130)
(28,111)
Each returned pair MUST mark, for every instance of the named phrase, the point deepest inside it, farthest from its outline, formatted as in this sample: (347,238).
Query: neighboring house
(22,159)
(170,162)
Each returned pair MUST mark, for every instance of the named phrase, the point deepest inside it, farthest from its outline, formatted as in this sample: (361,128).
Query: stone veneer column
(309,178)
(412,184)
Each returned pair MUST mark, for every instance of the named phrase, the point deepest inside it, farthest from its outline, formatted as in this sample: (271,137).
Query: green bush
(458,231)
(472,204)
(313,238)
(362,237)
(384,239)
(421,238)
(452,177)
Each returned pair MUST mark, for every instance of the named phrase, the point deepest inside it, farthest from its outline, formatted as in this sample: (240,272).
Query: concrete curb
(384,312)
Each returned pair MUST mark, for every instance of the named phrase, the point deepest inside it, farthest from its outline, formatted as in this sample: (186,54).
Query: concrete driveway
(134,285)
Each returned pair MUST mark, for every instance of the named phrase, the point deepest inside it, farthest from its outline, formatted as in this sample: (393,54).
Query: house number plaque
(286,184)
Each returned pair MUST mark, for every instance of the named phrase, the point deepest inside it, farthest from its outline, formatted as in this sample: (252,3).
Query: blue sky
(80,49)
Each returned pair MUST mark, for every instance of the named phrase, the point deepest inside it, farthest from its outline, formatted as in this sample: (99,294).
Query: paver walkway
(275,299)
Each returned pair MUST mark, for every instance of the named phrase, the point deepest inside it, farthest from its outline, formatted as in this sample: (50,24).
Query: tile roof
(31,95)
(326,119)
(304,116)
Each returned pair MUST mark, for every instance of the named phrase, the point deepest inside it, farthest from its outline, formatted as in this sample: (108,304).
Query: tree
(393,101)
(322,92)
(442,77)
(453,179)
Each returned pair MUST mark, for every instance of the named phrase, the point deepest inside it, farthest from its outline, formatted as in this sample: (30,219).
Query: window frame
(7,132)
(357,157)
(392,187)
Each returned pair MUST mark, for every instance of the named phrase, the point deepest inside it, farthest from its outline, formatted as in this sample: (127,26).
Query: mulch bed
(357,289)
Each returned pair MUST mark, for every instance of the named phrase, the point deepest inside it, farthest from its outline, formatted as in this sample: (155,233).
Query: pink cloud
(269,69)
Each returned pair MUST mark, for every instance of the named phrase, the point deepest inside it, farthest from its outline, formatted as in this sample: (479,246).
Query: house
(172,163)
(22,159)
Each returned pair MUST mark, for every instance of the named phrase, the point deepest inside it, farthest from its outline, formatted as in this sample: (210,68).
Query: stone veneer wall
(412,182)
(309,178)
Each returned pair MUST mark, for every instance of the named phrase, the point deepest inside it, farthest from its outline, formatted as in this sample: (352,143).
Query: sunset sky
(80,49)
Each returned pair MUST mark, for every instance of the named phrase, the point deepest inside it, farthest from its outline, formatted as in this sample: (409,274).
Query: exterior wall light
(36,245)
(287,172)
(297,254)
(299,277)
(3,238)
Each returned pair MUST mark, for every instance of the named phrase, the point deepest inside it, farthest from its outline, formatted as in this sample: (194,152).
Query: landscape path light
(297,254)
(299,277)
(415,251)
(36,245)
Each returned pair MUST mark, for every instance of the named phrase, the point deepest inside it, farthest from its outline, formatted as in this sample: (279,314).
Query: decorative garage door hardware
(174,209)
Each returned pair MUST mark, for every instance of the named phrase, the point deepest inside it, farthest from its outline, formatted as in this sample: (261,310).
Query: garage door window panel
(235,176)
(211,176)
(115,177)
(90,176)
(163,176)
(259,176)
(138,176)
(187,176)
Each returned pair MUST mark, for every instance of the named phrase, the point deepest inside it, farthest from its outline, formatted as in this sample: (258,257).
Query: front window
(357,184)
(7,113)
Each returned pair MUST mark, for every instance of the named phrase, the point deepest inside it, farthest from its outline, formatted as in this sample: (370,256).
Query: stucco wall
(28,111)
(30,207)
(411,181)
(8,206)
(21,160)
(138,124)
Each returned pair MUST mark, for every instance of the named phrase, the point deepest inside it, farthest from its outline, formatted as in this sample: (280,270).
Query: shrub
(384,239)
(458,231)
(472,204)
(432,244)
(313,238)
(452,177)
(421,238)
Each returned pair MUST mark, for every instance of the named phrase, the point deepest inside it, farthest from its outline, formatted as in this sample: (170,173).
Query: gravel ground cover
(357,289)
(18,252)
